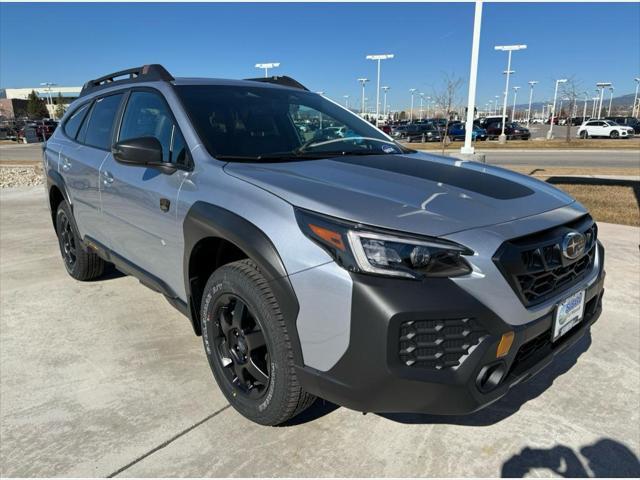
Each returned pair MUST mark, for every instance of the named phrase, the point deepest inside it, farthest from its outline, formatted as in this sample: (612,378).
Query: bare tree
(572,91)
(446,97)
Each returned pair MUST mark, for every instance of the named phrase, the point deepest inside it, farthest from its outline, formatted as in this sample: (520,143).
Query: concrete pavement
(105,377)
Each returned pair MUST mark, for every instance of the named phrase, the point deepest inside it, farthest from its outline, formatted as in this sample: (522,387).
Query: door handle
(107,178)
(66,164)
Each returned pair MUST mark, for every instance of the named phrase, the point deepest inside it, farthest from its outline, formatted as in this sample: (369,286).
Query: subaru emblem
(573,245)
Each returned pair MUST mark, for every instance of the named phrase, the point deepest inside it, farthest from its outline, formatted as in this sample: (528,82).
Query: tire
(252,357)
(614,134)
(80,264)
(584,134)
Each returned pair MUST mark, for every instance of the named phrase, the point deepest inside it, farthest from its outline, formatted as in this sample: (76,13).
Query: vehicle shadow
(318,409)
(512,401)
(605,458)
(110,273)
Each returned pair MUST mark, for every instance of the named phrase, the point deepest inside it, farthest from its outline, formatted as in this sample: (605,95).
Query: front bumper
(372,376)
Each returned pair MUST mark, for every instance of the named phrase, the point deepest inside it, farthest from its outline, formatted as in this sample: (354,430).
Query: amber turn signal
(505,344)
(329,236)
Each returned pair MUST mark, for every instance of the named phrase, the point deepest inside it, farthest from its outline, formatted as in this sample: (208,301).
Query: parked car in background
(457,131)
(575,121)
(386,128)
(627,121)
(513,131)
(604,128)
(43,129)
(425,132)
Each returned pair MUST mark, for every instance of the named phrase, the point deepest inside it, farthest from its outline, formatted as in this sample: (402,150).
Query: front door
(139,203)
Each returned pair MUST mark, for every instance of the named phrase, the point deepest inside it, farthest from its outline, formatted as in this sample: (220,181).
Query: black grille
(535,267)
(438,343)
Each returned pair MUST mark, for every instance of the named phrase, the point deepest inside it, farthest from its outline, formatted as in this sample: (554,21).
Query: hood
(415,193)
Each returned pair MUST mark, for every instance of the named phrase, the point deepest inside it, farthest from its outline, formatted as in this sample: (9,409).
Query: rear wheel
(80,263)
(248,346)
(614,134)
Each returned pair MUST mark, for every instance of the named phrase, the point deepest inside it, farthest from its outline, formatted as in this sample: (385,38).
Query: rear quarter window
(72,124)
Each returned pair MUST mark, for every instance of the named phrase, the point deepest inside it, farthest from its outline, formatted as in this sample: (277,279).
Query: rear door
(81,160)
(139,203)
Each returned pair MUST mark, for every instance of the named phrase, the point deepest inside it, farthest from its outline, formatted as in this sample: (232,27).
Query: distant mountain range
(623,101)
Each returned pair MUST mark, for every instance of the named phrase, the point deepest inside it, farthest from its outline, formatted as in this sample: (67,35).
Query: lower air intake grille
(438,344)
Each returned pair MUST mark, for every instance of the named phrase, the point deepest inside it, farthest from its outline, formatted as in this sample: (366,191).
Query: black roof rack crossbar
(280,80)
(144,73)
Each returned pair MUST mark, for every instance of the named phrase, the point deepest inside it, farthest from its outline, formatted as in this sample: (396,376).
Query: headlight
(364,250)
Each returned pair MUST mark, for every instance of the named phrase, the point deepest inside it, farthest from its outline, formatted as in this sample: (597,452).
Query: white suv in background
(604,128)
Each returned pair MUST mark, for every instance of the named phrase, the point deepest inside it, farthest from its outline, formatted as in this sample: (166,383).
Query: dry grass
(607,203)
(542,144)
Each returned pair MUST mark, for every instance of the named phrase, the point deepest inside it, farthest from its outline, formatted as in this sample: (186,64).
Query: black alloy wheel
(241,347)
(67,241)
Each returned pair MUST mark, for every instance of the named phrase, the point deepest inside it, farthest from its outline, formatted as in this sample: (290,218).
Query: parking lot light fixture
(363,82)
(584,110)
(635,100)
(601,86)
(513,110)
(531,83)
(594,106)
(553,109)
(468,147)
(495,108)
(412,90)
(510,49)
(610,100)
(428,106)
(48,86)
(346,101)
(385,89)
(379,58)
(421,95)
(267,66)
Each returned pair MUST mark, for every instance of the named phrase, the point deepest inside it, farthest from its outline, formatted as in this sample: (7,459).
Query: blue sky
(324,45)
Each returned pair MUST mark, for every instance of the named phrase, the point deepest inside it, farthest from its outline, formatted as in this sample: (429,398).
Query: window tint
(147,115)
(99,128)
(72,124)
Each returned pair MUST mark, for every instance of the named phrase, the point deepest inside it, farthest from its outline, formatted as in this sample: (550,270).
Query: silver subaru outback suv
(316,256)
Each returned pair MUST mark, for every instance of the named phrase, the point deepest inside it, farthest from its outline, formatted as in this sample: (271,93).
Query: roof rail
(280,80)
(144,73)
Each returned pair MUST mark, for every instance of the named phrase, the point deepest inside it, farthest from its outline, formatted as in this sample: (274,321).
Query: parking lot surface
(105,378)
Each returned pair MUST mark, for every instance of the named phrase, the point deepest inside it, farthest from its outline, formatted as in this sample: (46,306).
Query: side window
(147,115)
(99,125)
(72,124)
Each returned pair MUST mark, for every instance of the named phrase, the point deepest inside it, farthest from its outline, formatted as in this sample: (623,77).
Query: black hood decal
(478,182)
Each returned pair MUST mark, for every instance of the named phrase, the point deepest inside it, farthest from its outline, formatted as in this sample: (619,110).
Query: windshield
(245,123)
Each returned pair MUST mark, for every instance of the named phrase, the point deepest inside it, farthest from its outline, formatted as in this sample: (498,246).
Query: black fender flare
(207,220)
(55,179)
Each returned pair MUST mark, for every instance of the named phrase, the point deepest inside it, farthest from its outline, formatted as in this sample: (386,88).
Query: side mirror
(142,152)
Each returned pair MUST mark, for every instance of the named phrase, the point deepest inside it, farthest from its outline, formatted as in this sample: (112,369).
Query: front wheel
(248,346)
(584,134)
(614,134)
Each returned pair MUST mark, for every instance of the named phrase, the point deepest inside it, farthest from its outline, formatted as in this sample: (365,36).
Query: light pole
(584,110)
(48,86)
(601,86)
(421,95)
(553,110)
(412,90)
(346,101)
(363,82)
(510,49)
(635,99)
(379,58)
(594,107)
(610,101)
(513,110)
(267,66)
(321,93)
(495,109)
(428,106)
(532,84)
(385,89)
(468,148)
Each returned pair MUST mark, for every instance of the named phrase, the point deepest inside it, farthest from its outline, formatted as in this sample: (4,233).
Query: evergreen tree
(59,112)
(36,107)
